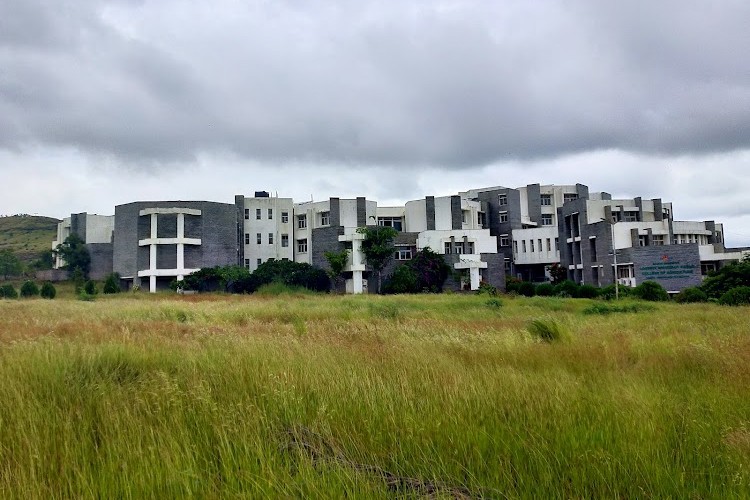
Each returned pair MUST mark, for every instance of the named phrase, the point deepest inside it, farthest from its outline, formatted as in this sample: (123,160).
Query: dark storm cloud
(386,83)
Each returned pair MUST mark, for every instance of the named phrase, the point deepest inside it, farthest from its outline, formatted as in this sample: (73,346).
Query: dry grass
(197,395)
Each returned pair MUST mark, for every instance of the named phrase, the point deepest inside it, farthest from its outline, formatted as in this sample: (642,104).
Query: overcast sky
(104,103)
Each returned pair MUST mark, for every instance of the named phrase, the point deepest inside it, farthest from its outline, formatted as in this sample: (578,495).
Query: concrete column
(180,246)
(152,254)
(357,282)
(474,276)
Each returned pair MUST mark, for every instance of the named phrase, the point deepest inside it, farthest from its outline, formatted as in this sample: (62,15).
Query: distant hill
(27,236)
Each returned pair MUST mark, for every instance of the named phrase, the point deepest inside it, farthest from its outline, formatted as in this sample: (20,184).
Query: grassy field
(371,397)
(27,236)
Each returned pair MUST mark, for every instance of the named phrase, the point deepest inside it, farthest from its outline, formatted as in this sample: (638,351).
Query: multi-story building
(266,229)
(524,221)
(484,234)
(637,240)
(96,232)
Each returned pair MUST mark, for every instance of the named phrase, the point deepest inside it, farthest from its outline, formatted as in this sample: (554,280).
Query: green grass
(294,395)
(27,236)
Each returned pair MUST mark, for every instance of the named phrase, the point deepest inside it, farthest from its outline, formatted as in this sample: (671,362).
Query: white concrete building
(268,229)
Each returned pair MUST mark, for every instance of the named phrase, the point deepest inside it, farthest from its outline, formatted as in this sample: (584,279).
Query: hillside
(27,236)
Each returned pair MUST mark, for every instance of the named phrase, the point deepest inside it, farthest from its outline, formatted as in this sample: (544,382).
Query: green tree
(651,290)
(557,273)
(112,284)
(7,291)
(29,289)
(75,254)
(10,265)
(728,277)
(48,290)
(377,247)
(337,262)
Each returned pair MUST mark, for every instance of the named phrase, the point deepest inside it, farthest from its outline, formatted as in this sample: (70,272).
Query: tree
(651,290)
(425,272)
(728,277)
(112,283)
(557,273)
(75,254)
(48,290)
(377,247)
(337,262)
(29,289)
(10,265)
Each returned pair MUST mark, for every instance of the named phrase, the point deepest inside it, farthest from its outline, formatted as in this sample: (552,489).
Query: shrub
(486,288)
(403,280)
(90,288)
(29,289)
(588,292)
(609,292)
(567,288)
(8,292)
(738,296)
(545,290)
(48,290)
(691,294)
(494,303)
(651,290)
(527,289)
(604,308)
(112,284)
(548,330)
(511,284)
(728,277)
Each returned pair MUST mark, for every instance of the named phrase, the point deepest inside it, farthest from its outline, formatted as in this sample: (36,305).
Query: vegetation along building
(484,234)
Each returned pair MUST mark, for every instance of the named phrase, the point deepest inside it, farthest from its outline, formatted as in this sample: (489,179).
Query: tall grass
(373,397)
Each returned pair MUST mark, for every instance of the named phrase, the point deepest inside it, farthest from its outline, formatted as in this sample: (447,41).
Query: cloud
(444,83)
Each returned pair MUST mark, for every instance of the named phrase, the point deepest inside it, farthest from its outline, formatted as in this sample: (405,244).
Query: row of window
(258,262)
(259,212)
(546,199)
(459,247)
(539,247)
(259,239)
(547,219)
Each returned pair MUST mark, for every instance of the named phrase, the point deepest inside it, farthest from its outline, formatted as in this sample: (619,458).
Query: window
(447,248)
(515,247)
(481,219)
(557,244)
(549,245)
(502,199)
(546,219)
(284,240)
(257,213)
(258,238)
(270,238)
(247,238)
(302,223)
(631,216)
(531,242)
(302,245)
(403,253)
(394,222)
(539,241)
(247,261)
(260,261)
(707,268)
(470,247)
(546,200)
(503,216)
(504,240)
(642,241)
(523,246)
(270,213)
(325,218)
(284,217)
(657,239)
(718,236)
(506,265)
(247,214)
(569,197)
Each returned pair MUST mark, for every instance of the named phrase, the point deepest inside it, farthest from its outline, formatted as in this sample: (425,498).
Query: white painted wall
(539,255)
(99,228)
(416,216)
(435,240)
(265,226)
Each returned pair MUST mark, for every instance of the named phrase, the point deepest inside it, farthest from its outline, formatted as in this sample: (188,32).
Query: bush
(403,280)
(609,292)
(567,288)
(588,292)
(48,290)
(691,294)
(8,292)
(604,308)
(545,290)
(494,303)
(90,288)
(112,284)
(29,289)
(738,296)
(527,289)
(512,284)
(486,288)
(728,277)
(651,290)
(548,330)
